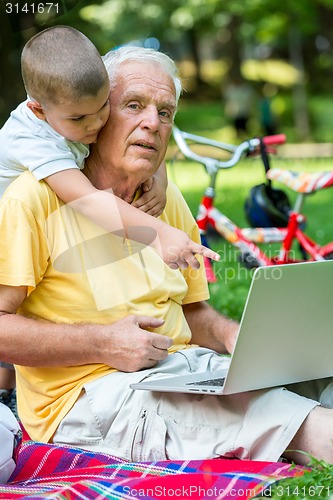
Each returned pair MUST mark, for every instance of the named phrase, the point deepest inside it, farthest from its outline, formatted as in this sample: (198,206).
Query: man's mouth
(145,145)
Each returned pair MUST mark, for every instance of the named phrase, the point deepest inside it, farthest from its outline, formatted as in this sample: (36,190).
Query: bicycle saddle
(301,182)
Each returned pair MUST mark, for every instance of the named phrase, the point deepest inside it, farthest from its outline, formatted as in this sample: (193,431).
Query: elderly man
(85,313)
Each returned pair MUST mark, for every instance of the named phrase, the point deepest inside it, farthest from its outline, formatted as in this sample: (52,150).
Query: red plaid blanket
(49,471)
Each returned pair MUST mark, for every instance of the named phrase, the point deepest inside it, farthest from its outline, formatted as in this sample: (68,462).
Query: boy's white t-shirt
(27,143)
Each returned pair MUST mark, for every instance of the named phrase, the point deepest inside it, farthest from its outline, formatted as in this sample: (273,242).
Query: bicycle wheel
(248,260)
(326,251)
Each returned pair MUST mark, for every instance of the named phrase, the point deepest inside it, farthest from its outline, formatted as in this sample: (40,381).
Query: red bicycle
(268,210)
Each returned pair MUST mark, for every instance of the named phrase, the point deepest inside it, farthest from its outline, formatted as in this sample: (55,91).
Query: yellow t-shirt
(78,273)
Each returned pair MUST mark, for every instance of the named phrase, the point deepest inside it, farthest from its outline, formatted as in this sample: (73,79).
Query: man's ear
(37,109)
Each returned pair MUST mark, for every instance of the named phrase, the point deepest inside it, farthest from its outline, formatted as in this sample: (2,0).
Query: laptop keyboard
(219,382)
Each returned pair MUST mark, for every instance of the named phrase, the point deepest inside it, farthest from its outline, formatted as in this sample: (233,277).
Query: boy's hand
(153,200)
(178,250)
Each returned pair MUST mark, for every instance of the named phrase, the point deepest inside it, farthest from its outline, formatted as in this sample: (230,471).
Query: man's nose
(151,119)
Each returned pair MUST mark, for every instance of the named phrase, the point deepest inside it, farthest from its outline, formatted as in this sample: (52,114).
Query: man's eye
(133,105)
(77,118)
(166,116)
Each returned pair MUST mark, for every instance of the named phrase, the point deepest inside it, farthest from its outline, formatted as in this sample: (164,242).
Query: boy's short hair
(61,63)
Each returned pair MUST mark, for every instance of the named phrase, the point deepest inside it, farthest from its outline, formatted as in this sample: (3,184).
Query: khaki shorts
(109,417)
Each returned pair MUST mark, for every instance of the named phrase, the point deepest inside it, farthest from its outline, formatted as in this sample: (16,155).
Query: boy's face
(77,121)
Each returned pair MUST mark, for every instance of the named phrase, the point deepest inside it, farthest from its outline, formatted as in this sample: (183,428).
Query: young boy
(49,134)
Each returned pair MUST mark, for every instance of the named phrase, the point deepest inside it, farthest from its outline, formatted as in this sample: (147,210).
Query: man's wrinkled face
(143,105)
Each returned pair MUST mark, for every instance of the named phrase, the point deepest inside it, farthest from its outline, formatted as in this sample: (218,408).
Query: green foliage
(264,20)
(315,484)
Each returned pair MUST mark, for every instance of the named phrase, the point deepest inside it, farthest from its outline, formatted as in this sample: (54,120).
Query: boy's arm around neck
(115,215)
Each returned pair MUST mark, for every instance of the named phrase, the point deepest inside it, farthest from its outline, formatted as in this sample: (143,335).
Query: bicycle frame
(246,240)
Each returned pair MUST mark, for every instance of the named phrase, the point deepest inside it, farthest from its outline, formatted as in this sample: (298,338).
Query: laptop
(285,334)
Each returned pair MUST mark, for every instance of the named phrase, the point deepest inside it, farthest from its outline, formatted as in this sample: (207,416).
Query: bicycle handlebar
(213,164)
(274,140)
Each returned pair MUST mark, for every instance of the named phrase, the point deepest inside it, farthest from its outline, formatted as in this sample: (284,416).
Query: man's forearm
(30,342)
(130,344)
(210,328)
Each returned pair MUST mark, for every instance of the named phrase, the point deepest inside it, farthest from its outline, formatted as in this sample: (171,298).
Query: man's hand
(130,346)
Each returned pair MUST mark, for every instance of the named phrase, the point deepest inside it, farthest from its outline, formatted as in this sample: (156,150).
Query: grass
(315,484)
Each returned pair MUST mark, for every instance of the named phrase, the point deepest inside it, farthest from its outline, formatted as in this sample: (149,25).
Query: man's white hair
(115,58)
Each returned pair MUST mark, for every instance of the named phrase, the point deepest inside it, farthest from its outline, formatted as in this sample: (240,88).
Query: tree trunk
(194,48)
(233,49)
(301,115)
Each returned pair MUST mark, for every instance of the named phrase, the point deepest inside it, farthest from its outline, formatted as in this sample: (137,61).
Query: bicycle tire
(248,261)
